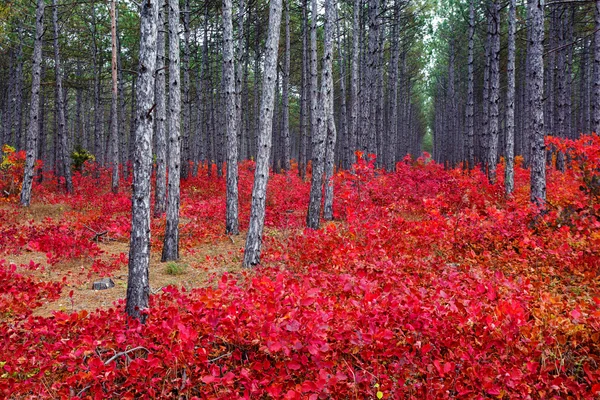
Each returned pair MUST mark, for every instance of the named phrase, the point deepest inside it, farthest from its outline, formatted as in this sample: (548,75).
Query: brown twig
(124,353)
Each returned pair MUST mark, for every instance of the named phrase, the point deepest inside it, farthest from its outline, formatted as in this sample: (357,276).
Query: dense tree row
(376,62)
(530,69)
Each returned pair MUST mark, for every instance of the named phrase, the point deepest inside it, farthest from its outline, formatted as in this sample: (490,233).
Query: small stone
(102,284)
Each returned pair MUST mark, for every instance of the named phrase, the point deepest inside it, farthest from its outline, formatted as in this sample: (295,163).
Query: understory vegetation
(430,283)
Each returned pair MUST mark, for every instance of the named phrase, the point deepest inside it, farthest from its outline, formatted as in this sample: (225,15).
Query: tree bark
(61,125)
(509,183)
(261,174)
(494,125)
(314,84)
(470,123)
(331,132)
(33,127)
(286,154)
(138,286)
(304,100)
(160,202)
(596,86)
(186,110)
(371,78)
(354,84)
(170,250)
(319,140)
(231,219)
(114,121)
(536,80)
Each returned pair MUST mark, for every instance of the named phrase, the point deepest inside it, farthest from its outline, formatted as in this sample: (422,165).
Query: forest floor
(194,269)
(431,283)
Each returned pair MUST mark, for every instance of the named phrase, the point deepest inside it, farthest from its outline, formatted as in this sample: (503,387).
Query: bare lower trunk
(170,250)
(319,140)
(63,157)
(536,79)
(596,86)
(510,101)
(494,123)
(470,102)
(304,106)
(231,219)
(186,110)
(160,202)
(33,127)
(286,154)
(114,125)
(261,174)
(138,286)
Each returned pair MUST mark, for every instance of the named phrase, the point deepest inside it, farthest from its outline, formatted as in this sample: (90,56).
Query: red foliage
(20,295)
(431,284)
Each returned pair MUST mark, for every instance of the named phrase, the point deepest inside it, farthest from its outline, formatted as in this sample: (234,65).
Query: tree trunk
(61,125)
(319,140)
(330,18)
(138,286)
(536,80)
(304,100)
(494,125)
(596,86)
(286,154)
(261,174)
(97,66)
(170,250)
(510,101)
(114,121)
(371,78)
(470,97)
(240,76)
(18,118)
(231,220)
(160,202)
(33,127)
(353,145)
(314,88)
(186,111)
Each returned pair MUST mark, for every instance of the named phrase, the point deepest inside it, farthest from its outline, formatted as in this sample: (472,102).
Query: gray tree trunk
(536,79)
(371,78)
(345,154)
(240,75)
(186,111)
(18,104)
(319,140)
(485,116)
(170,250)
(354,84)
(393,91)
(61,124)
(114,121)
(304,105)
(33,127)
(596,86)
(285,93)
(160,202)
(231,219)
(138,285)
(330,20)
(97,66)
(494,123)
(509,179)
(314,84)
(470,123)
(261,174)
(123,154)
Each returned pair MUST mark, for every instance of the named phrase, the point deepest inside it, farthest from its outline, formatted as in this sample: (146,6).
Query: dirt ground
(194,268)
